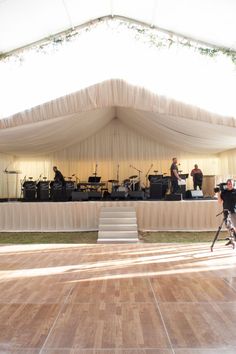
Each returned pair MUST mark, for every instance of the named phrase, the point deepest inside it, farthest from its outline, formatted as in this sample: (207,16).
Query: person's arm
(176,175)
(192,173)
(220,200)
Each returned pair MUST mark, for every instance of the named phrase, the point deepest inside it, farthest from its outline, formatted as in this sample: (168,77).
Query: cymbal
(113,181)
(133,177)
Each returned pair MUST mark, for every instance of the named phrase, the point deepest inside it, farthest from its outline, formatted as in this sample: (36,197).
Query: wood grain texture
(109,326)
(25,325)
(200,324)
(188,289)
(117,299)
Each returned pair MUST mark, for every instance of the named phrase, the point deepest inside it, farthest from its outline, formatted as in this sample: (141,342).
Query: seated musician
(58,176)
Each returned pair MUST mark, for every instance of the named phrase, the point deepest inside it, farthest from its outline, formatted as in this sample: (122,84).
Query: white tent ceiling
(68,120)
(25,21)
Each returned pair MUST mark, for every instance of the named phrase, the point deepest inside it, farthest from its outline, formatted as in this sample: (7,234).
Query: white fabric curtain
(111,124)
(73,216)
(114,145)
(70,119)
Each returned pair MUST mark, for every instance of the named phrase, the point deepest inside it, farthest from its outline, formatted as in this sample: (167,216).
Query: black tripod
(228,222)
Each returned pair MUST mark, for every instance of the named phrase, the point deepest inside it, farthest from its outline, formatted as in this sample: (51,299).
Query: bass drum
(135,186)
(122,189)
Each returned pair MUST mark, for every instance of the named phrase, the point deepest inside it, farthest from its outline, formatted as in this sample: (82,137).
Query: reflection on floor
(118,299)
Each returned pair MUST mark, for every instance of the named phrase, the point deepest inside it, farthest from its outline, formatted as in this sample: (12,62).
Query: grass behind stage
(91,237)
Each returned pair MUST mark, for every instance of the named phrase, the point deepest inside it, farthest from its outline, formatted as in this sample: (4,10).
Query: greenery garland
(161,39)
(152,36)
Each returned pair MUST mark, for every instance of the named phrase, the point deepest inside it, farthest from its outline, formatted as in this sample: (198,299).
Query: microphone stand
(117,174)
(139,172)
(146,176)
(96,168)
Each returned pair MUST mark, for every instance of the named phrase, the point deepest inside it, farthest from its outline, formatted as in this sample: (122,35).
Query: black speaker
(29,195)
(69,186)
(94,195)
(173,197)
(156,191)
(58,196)
(78,196)
(29,190)
(194,194)
(43,190)
(118,195)
(136,195)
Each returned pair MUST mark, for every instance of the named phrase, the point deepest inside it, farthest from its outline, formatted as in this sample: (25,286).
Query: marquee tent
(113,122)
(210,21)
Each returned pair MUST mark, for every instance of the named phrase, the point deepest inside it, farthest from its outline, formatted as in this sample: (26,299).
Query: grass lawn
(91,237)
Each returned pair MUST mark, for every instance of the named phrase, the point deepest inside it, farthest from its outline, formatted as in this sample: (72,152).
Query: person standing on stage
(58,176)
(174,175)
(197,175)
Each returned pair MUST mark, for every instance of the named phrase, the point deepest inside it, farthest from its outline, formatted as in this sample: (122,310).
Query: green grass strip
(91,237)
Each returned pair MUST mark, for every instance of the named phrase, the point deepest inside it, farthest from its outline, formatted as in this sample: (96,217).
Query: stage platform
(185,215)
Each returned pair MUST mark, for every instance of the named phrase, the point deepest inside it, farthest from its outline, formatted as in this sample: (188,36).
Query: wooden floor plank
(34,291)
(25,325)
(108,326)
(205,351)
(188,289)
(117,299)
(200,325)
(107,351)
(111,291)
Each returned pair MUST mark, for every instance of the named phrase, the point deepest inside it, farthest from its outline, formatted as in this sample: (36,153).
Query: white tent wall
(7,182)
(228,164)
(113,123)
(115,144)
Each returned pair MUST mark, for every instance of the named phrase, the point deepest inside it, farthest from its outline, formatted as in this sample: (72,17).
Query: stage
(185,215)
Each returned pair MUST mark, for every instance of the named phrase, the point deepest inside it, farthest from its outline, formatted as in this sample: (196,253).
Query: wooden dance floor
(118,299)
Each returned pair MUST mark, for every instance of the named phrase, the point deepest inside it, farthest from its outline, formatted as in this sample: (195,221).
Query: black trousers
(174,186)
(197,184)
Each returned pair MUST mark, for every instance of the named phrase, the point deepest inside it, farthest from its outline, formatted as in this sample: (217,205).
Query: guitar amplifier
(29,190)
(156,191)
(43,190)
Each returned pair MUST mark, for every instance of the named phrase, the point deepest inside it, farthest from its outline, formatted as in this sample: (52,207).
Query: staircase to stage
(118,225)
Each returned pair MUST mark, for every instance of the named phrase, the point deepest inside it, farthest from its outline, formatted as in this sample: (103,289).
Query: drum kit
(129,184)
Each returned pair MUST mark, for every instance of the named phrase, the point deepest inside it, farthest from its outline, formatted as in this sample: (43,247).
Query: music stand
(94,179)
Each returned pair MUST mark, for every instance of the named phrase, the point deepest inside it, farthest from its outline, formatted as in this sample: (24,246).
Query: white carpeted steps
(117,225)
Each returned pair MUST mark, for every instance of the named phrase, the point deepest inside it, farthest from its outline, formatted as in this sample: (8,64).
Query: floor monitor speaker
(194,194)
(173,197)
(118,195)
(136,195)
(156,191)
(78,196)
(95,195)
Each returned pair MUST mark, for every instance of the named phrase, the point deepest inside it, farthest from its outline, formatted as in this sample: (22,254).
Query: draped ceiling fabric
(114,123)
(70,119)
